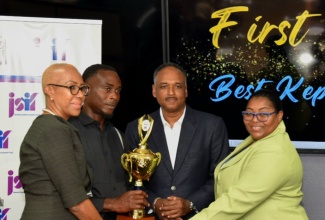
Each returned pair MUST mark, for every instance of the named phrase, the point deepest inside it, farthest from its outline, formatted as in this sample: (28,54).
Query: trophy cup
(140,163)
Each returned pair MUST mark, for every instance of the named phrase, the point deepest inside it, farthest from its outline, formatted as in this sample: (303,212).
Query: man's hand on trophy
(172,208)
(128,201)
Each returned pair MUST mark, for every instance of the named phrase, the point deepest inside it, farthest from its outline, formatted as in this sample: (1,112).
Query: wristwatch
(193,208)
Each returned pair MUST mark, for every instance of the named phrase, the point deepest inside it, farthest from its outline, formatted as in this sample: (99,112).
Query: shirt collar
(86,120)
(179,121)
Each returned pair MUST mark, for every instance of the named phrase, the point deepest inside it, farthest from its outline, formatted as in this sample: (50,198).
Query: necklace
(48,111)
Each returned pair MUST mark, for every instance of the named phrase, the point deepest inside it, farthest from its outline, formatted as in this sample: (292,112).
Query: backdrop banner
(27,46)
(230,49)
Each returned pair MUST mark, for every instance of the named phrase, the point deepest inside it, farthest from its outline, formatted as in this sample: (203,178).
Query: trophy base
(126,217)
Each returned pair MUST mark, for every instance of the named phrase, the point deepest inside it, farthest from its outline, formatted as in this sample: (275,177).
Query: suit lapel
(159,139)
(235,159)
(237,154)
(187,133)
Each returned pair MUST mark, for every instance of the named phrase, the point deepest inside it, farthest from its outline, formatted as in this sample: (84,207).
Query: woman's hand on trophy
(128,201)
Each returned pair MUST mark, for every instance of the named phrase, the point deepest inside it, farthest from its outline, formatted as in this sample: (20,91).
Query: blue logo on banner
(3,214)
(4,140)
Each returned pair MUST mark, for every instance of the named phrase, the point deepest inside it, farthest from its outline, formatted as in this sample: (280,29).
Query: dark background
(139,35)
(191,46)
(131,42)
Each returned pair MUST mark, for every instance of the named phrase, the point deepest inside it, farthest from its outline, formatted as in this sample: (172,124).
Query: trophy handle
(158,155)
(155,162)
(126,162)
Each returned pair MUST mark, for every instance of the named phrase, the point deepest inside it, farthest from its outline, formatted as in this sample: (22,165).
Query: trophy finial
(145,124)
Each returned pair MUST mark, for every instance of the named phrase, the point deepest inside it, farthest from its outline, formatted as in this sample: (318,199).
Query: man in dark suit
(191,144)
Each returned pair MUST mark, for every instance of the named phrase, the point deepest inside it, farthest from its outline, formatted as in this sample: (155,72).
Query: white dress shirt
(172,135)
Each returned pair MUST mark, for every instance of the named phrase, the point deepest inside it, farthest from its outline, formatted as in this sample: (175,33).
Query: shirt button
(173,188)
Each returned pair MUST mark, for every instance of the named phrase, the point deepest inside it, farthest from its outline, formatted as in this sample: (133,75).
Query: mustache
(110,103)
(171,97)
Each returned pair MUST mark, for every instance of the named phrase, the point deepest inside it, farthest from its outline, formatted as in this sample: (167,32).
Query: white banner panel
(27,46)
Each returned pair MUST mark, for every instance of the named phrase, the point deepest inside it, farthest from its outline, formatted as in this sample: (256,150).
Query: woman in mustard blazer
(262,178)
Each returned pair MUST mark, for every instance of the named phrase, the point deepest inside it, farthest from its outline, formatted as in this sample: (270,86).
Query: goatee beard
(108,116)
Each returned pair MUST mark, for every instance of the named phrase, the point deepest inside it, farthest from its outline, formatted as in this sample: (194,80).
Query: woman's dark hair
(271,95)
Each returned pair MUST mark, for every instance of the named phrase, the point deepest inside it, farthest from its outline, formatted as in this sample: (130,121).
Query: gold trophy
(141,162)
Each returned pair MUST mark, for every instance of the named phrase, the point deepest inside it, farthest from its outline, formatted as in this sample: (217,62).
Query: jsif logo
(26,103)
(4,140)
(3,214)
(13,182)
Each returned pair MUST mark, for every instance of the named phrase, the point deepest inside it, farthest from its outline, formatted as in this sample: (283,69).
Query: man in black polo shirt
(104,144)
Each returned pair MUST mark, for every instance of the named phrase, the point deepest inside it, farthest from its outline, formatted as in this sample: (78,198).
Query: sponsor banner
(27,46)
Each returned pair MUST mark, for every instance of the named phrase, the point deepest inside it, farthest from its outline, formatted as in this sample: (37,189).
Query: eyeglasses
(75,89)
(261,116)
